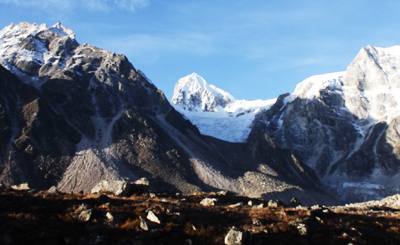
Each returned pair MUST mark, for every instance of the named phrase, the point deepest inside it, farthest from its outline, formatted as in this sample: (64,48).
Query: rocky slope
(72,115)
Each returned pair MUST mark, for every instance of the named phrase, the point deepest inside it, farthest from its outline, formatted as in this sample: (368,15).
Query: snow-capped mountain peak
(193,93)
(311,87)
(372,83)
(17,32)
(25,46)
(369,87)
(214,111)
(62,30)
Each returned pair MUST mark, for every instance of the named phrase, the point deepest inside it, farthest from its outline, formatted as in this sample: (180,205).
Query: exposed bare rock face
(73,115)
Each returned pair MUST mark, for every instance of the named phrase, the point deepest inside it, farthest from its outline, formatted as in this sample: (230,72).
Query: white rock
(256,221)
(273,204)
(222,193)
(250,203)
(21,187)
(116,187)
(143,225)
(319,219)
(315,207)
(208,202)
(261,205)
(234,237)
(239,204)
(109,216)
(142,181)
(52,190)
(85,215)
(302,229)
(152,217)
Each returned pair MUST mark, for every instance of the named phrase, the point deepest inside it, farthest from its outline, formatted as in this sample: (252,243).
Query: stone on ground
(207,202)
(233,237)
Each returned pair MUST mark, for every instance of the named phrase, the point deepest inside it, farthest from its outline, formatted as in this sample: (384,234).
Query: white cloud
(92,5)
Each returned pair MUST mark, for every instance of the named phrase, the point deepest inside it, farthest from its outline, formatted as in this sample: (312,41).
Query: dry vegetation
(44,218)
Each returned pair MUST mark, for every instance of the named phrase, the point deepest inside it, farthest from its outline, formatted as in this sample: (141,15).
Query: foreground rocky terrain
(49,217)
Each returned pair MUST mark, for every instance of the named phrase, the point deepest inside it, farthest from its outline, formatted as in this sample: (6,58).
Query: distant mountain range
(343,125)
(72,115)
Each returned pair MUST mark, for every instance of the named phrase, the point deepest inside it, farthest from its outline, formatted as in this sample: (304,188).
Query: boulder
(21,187)
(302,229)
(233,237)
(142,181)
(109,217)
(115,187)
(152,217)
(273,204)
(85,214)
(143,225)
(261,205)
(208,202)
(236,205)
(52,190)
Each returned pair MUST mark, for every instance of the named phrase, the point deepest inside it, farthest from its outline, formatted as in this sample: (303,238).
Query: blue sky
(253,49)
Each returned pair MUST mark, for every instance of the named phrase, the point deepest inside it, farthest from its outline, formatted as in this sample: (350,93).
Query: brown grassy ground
(42,218)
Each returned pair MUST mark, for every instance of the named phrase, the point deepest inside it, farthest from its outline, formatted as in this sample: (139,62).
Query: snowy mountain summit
(193,93)
(26,47)
(346,125)
(214,111)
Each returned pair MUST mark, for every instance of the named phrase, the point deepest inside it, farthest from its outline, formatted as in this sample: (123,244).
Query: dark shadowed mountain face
(72,115)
